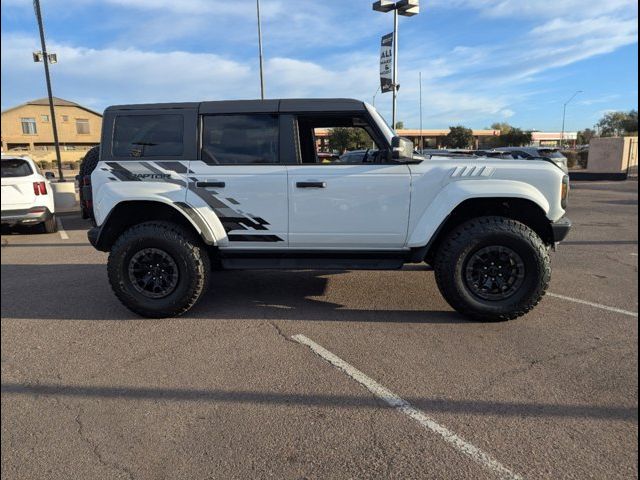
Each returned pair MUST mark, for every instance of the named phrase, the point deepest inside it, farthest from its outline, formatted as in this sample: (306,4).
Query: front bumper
(561,229)
(30,216)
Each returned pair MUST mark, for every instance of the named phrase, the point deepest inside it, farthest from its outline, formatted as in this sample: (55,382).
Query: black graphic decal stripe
(255,238)
(122,173)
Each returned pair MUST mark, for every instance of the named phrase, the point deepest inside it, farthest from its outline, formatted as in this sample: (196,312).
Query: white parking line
(405,407)
(596,305)
(63,234)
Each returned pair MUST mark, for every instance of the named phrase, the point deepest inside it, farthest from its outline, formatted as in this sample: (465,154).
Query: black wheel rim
(153,273)
(494,273)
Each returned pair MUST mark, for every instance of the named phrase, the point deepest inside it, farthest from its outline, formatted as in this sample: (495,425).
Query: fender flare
(457,192)
(102,237)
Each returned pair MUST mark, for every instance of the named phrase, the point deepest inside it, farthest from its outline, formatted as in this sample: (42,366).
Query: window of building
(44,118)
(82,126)
(29,126)
(240,139)
(148,136)
(65,118)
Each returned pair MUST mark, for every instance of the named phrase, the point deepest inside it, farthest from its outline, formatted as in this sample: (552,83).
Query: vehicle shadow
(82,292)
(429,405)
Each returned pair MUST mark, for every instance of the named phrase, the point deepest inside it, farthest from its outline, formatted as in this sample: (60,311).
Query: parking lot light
(405,8)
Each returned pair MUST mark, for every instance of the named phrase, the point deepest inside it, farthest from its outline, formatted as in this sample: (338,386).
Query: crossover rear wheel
(158,269)
(493,269)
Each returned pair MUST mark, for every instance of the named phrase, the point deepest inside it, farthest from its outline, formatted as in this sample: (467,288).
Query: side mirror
(49,175)
(401,149)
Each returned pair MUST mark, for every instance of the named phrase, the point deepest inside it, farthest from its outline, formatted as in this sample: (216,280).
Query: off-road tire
(50,225)
(467,239)
(87,166)
(187,252)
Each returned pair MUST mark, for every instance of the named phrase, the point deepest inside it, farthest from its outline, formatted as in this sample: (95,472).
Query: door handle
(211,184)
(311,184)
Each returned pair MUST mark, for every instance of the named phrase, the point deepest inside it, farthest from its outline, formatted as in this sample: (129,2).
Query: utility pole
(564,115)
(406,8)
(45,58)
(260,51)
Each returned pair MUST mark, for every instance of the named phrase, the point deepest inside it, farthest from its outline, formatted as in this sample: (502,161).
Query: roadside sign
(386,63)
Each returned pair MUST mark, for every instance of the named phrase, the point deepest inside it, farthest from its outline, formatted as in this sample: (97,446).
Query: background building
(27,128)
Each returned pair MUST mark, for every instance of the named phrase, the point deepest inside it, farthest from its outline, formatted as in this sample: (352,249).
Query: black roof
(255,106)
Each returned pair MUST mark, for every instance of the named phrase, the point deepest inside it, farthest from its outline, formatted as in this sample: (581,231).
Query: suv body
(27,197)
(239,185)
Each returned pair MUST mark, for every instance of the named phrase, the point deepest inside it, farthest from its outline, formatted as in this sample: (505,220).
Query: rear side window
(148,136)
(15,168)
(240,139)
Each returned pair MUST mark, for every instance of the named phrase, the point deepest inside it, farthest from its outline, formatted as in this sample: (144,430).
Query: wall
(612,155)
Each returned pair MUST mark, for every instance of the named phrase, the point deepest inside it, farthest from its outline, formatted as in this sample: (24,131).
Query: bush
(583,158)
(572,158)
(44,164)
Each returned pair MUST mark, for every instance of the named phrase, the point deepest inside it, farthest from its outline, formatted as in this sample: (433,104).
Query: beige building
(27,128)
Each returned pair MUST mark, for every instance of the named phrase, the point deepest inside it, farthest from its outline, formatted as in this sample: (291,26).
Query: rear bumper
(561,229)
(25,217)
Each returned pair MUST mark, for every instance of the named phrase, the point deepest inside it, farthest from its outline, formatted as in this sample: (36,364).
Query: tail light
(39,188)
(564,195)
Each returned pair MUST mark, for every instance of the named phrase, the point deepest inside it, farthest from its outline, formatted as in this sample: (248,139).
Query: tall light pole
(406,8)
(564,115)
(260,51)
(45,59)
(374,97)
(421,136)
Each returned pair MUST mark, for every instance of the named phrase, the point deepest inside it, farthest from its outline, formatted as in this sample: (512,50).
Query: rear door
(241,180)
(17,184)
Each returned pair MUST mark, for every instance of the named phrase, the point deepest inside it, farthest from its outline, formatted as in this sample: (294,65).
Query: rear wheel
(158,269)
(50,225)
(493,269)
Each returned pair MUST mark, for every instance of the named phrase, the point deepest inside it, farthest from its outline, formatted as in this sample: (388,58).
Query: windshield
(15,168)
(551,154)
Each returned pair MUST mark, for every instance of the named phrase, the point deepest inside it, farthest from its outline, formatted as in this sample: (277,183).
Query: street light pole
(564,115)
(394,109)
(421,136)
(260,51)
(374,96)
(45,56)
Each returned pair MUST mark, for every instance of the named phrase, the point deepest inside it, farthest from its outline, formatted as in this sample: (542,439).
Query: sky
(482,61)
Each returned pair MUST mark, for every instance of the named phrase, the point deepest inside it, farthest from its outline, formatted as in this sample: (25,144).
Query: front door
(354,201)
(241,180)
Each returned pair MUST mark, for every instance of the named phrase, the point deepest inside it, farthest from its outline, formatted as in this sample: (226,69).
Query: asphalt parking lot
(91,391)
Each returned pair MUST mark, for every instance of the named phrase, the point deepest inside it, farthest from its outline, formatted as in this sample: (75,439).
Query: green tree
(515,138)
(504,127)
(343,139)
(400,125)
(616,124)
(459,137)
(585,136)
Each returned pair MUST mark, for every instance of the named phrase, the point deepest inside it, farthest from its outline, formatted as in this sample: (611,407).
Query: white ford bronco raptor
(178,189)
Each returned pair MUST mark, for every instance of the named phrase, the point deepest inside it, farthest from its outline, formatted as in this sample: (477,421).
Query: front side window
(82,126)
(29,126)
(148,136)
(327,139)
(15,168)
(240,139)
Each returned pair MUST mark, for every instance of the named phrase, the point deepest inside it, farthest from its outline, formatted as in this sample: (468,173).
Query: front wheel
(493,269)
(158,269)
